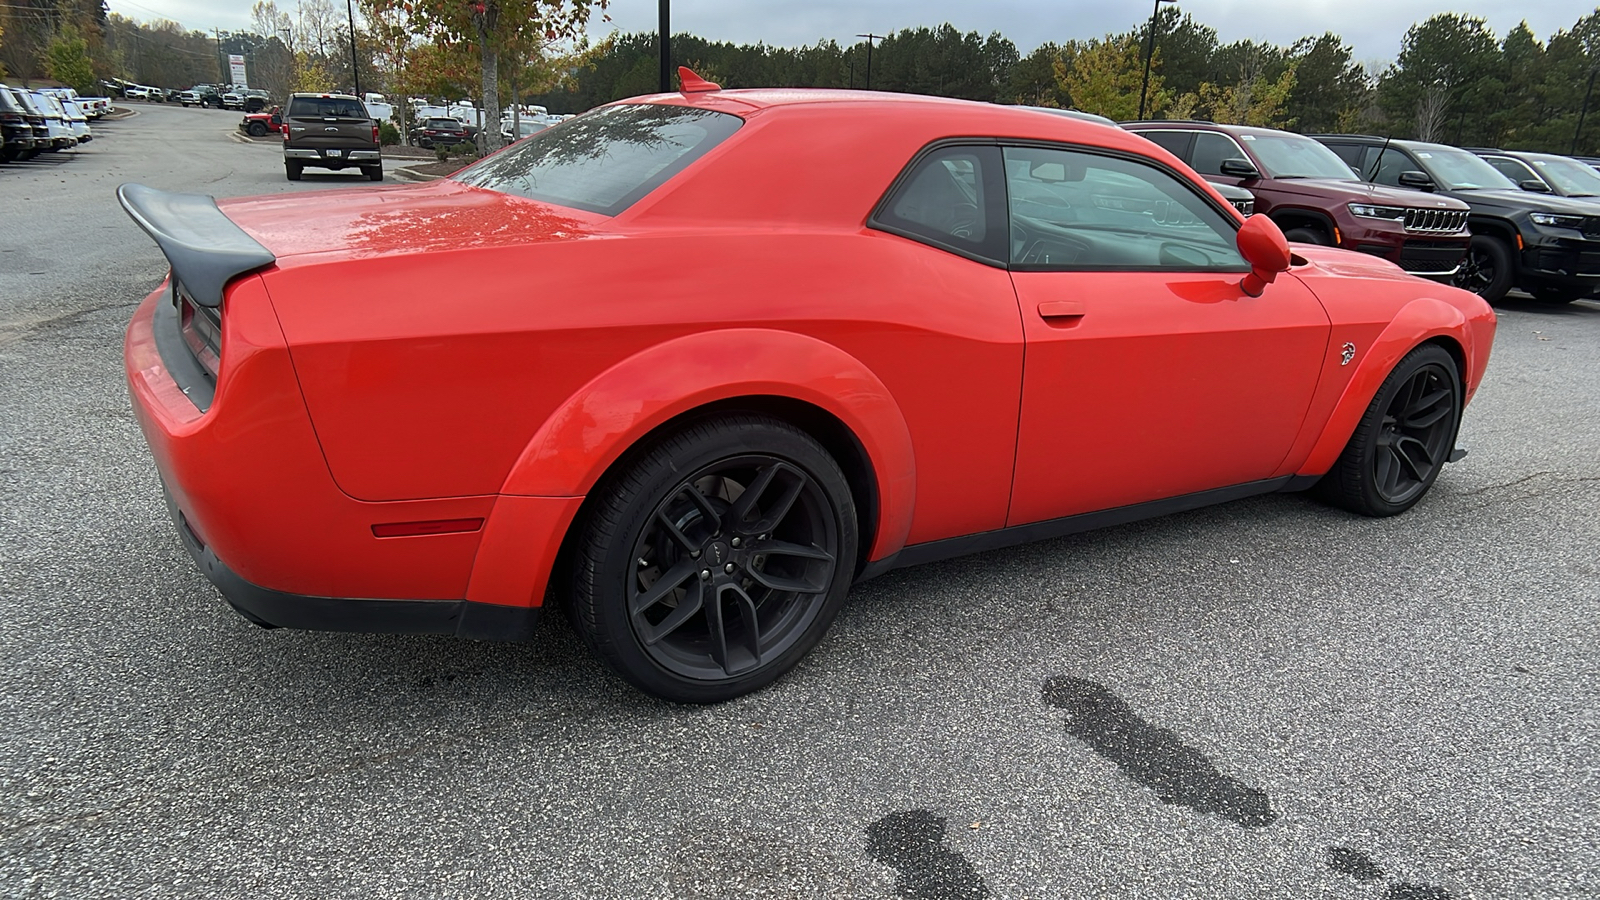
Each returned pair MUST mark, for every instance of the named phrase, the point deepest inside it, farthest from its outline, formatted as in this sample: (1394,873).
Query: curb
(410,175)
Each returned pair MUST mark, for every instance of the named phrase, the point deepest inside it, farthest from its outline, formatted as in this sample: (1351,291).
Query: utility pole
(355,67)
(1149,53)
(664,39)
(870,38)
(1582,112)
(222,61)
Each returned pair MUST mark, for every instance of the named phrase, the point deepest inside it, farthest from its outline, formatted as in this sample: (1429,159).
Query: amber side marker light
(436,526)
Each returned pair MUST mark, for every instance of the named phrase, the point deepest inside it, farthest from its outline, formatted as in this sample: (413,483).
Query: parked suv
(1317,199)
(442,131)
(16,124)
(1545,173)
(1548,246)
(332,131)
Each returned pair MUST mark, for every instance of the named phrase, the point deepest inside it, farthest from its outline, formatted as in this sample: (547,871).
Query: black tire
(675,525)
(1308,235)
(1403,440)
(375,173)
(1488,270)
(1549,293)
(292,170)
(257,129)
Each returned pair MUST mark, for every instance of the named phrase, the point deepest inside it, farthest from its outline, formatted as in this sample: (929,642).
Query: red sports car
(695,363)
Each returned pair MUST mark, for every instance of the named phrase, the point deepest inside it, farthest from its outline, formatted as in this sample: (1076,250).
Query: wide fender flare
(1422,320)
(581,439)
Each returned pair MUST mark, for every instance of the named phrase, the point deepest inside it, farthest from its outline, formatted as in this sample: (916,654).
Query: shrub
(388,135)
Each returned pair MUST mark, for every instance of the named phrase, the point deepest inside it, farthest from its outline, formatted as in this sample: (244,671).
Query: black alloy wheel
(717,561)
(1487,269)
(257,129)
(1404,439)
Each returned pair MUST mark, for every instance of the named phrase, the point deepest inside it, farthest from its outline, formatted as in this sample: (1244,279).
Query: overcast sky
(1372,27)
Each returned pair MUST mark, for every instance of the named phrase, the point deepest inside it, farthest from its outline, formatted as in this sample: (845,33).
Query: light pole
(355,68)
(1582,112)
(665,39)
(870,38)
(1149,53)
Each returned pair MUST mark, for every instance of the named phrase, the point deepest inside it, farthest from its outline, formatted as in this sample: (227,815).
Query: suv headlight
(1555,221)
(1368,211)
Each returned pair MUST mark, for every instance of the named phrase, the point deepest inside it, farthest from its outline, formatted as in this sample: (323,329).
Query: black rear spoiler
(205,248)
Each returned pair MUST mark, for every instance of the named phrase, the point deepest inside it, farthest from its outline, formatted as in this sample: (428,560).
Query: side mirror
(1264,247)
(1239,168)
(1418,180)
(1535,185)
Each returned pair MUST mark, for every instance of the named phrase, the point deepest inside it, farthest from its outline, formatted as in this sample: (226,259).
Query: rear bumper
(345,156)
(278,609)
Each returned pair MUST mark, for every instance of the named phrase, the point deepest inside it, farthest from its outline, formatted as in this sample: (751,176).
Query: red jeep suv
(1316,198)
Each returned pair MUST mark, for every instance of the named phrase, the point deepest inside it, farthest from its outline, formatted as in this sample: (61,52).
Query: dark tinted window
(326,108)
(448,124)
(1511,168)
(1210,149)
(8,104)
(1351,154)
(1391,164)
(605,160)
(953,199)
(1174,142)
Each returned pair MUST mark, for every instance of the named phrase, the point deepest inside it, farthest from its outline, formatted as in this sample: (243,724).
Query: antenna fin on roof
(690,83)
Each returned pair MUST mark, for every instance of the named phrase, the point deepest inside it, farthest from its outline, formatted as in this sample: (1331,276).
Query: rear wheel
(1487,270)
(715,562)
(374,173)
(292,170)
(1403,440)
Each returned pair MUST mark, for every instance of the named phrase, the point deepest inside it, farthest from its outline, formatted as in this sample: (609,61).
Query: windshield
(1571,178)
(604,160)
(1293,156)
(1458,170)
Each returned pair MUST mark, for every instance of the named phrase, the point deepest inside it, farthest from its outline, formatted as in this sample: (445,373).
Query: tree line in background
(1454,81)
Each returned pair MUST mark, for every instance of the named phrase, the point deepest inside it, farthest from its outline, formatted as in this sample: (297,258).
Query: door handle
(1061,309)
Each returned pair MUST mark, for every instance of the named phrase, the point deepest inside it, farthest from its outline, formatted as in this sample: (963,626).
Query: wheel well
(826,428)
(1296,218)
(1454,349)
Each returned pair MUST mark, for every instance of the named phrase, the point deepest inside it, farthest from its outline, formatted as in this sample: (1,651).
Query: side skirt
(949,548)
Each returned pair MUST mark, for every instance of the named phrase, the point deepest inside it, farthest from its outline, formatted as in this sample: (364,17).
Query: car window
(1458,170)
(1294,156)
(1210,149)
(1573,178)
(1174,142)
(951,198)
(1511,168)
(1077,210)
(1391,164)
(605,160)
(1352,154)
(326,108)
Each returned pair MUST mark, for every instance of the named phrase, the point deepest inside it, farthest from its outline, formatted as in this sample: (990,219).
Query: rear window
(327,108)
(606,160)
(450,124)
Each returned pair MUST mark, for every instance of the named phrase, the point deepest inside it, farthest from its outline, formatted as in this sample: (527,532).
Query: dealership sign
(236,65)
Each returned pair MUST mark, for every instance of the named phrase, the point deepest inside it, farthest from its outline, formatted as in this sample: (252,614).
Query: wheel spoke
(705,506)
(798,584)
(688,607)
(1418,460)
(672,530)
(717,625)
(749,617)
(749,503)
(1428,419)
(668,582)
(1387,468)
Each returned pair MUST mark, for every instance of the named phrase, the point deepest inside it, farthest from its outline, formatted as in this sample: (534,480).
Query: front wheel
(258,130)
(1487,270)
(1403,440)
(717,560)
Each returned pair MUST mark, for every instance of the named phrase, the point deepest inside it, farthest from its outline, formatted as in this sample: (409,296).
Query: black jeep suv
(1548,246)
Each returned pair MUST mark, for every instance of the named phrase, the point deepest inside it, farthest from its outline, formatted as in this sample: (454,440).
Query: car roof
(1202,125)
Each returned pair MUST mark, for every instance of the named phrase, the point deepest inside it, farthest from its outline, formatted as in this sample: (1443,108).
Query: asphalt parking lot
(1265,699)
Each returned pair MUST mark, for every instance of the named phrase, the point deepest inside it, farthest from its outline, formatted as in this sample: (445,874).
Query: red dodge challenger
(695,363)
